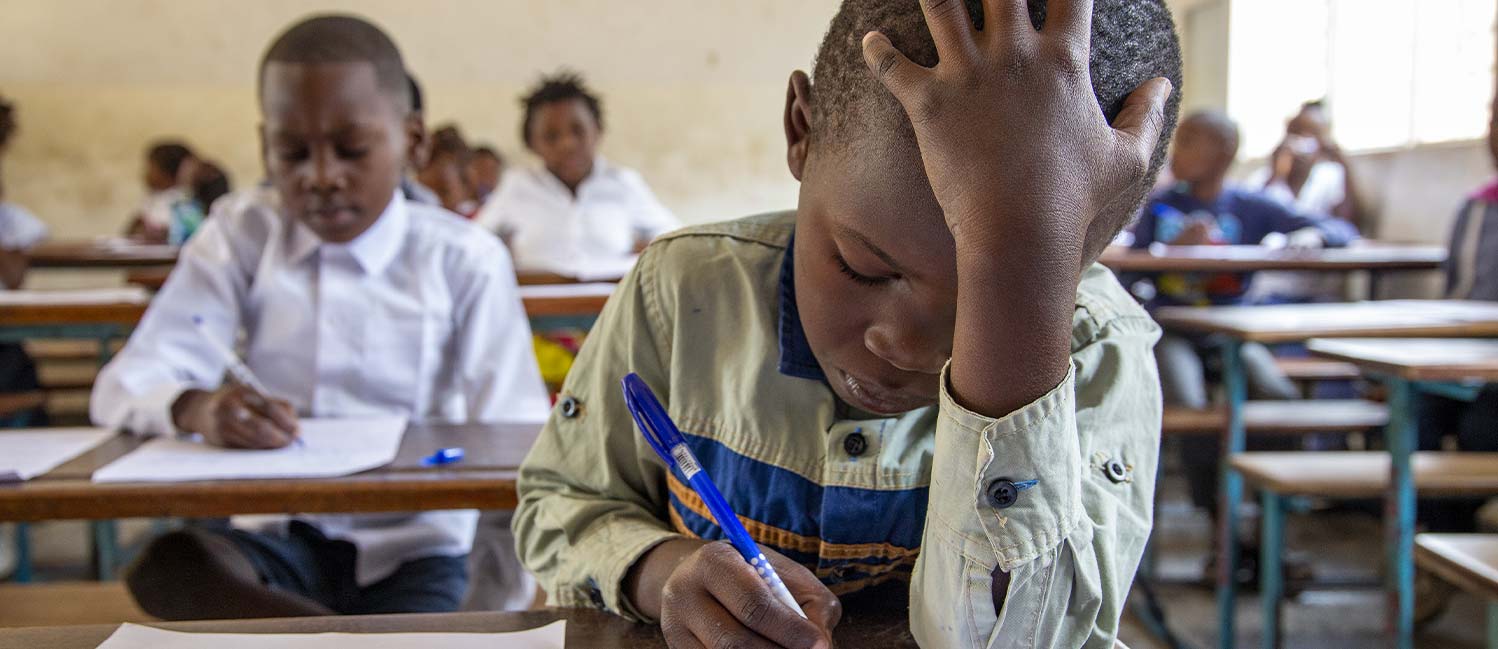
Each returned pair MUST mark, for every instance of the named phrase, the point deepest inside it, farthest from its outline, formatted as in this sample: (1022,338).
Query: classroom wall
(692,90)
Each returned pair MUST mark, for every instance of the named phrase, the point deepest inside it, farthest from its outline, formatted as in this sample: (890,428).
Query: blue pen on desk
(444,456)
(663,436)
(236,368)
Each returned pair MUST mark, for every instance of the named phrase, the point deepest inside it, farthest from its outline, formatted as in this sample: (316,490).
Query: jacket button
(570,407)
(1116,471)
(855,444)
(1002,494)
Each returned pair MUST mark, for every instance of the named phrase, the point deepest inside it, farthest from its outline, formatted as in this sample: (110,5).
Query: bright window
(1395,73)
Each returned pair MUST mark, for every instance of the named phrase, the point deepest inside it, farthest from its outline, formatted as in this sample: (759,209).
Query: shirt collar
(600,168)
(373,250)
(796,358)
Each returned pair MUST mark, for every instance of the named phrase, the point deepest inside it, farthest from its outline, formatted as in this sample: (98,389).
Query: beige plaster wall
(692,90)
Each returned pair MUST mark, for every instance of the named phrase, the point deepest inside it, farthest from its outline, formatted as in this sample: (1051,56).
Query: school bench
(100,253)
(1288,323)
(67,603)
(1470,561)
(1269,418)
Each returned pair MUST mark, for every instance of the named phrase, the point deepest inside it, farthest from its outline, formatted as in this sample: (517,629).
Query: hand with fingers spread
(706,596)
(1010,131)
(236,416)
(1030,176)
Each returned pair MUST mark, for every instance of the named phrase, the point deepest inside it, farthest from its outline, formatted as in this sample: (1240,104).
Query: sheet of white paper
(604,289)
(25,454)
(131,636)
(595,270)
(128,295)
(329,448)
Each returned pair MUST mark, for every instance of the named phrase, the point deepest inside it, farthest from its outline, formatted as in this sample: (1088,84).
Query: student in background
(483,171)
(877,377)
(1308,173)
(578,207)
(1203,209)
(208,184)
(442,172)
(412,188)
(349,300)
(19,231)
(168,168)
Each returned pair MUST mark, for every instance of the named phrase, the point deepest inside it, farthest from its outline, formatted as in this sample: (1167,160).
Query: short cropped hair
(7,121)
(339,38)
(1133,41)
(562,86)
(168,156)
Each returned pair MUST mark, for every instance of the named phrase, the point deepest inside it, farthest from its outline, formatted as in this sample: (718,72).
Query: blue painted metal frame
(1230,494)
(1399,516)
(1271,572)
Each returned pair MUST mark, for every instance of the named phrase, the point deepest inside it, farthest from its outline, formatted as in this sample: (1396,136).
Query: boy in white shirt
(578,211)
(352,301)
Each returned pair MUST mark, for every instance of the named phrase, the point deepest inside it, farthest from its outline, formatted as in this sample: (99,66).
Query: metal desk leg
(1231,492)
(1399,514)
(1492,625)
(24,568)
(106,549)
(1271,572)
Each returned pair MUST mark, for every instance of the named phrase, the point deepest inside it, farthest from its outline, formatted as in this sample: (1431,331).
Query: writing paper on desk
(25,454)
(130,295)
(132,636)
(330,448)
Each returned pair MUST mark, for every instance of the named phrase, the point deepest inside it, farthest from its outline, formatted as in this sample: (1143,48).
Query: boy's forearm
(1012,342)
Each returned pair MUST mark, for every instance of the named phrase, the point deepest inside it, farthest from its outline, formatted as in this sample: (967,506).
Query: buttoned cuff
(1007,490)
(610,553)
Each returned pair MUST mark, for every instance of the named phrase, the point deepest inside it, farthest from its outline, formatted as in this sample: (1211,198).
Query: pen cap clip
(650,416)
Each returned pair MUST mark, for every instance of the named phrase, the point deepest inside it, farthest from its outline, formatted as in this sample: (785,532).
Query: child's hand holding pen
(236,416)
(240,413)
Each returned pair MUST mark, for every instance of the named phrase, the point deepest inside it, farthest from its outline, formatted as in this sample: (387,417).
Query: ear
(264,150)
(417,149)
(797,122)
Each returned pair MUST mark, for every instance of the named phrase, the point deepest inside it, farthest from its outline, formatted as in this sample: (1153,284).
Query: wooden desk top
(90,253)
(127,315)
(1297,322)
(1468,560)
(1417,359)
(586,629)
(485,479)
(1240,259)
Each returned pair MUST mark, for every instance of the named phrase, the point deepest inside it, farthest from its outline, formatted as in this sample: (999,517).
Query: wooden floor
(50,604)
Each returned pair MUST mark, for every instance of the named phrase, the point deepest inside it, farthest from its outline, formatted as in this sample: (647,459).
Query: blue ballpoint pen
(663,436)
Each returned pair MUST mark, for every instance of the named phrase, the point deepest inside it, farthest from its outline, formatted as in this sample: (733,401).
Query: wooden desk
(91,253)
(125,315)
(1296,322)
(586,629)
(1469,561)
(1417,359)
(1244,259)
(1401,364)
(485,479)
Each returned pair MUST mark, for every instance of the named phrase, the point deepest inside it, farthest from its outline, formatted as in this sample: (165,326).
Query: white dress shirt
(19,229)
(419,316)
(550,229)
(1324,190)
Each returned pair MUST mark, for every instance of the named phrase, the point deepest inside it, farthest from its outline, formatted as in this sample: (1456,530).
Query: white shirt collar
(373,250)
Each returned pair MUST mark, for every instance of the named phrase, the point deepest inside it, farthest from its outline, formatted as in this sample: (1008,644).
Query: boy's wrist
(646,579)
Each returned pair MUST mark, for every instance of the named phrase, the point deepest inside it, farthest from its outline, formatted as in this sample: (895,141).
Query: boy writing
(919,376)
(351,301)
